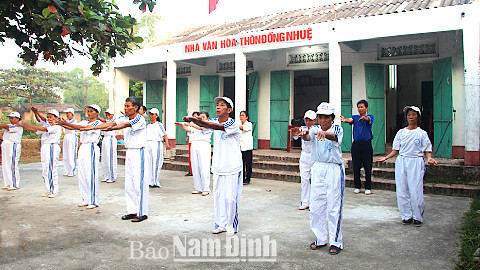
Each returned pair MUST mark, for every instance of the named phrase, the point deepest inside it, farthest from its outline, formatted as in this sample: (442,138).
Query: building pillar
(240,84)
(471,55)
(120,89)
(335,78)
(171,101)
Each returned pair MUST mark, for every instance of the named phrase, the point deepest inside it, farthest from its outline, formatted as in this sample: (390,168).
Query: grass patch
(450,180)
(469,235)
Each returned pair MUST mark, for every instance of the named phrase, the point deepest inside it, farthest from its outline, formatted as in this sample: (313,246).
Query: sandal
(314,246)
(129,216)
(139,219)
(334,250)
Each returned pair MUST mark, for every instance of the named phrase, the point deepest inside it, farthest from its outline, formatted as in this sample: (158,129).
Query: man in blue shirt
(362,151)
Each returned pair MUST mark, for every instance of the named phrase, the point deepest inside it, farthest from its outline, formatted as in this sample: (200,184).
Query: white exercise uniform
(109,155)
(88,161)
(227,169)
(137,168)
(50,152)
(70,145)
(200,153)
(11,149)
(409,171)
(327,188)
(305,169)
(155,133)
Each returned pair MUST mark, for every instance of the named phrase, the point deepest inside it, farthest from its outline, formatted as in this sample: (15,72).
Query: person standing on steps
(246,145)
(362,151)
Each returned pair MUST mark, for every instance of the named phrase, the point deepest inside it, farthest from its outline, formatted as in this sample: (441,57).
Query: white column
(120,90)
(335,78)
(240,84)
(171,99)
(471,47)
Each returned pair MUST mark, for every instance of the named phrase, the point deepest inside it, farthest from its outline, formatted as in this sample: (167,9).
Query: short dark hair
(364,102)
(144,108)
(245,112)
(204,112)
(197,113)
(135,101)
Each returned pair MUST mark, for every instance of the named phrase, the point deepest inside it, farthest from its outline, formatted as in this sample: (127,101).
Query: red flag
(212,5)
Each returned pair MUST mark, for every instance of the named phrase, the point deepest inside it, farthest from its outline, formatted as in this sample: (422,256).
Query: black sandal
(129,216)
(314,246)
(334,250)
(139,219)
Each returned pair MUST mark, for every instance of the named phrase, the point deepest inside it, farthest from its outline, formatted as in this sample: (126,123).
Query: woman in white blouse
(246,145)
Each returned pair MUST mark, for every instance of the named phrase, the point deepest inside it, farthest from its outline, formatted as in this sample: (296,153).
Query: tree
(35,85)
(135,88)
(150,22)
(53,29)
(84,90)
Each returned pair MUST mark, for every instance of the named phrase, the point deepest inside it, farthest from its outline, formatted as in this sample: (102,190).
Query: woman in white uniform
(200,153)
(328,180)
(70,145)
(412,143)
(109,151)
(88,156)
(246,145)
(156,134)
(11,150)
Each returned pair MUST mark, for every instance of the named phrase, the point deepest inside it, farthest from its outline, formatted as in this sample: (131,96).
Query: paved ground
(54,233)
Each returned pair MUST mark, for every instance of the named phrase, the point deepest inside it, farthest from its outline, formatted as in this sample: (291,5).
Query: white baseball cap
(415,108)
(325,109)
(14,114)
(109,111)
(154,111)
(228,100)
(310,115)
(54,112)
(95,107)
(70,110)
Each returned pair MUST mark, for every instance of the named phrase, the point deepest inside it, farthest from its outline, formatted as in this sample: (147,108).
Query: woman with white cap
(412,143)
(155,135)
(109,151)
(328,179)
(88,156)
(306,161)
(50,151)
(70,144)
(11,150)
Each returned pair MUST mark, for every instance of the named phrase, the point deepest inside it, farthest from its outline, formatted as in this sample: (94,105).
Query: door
(279,108)
(209,86)
(181,109)
(347,107)
(154,96)
(253,105)
(375,79)
(442,108)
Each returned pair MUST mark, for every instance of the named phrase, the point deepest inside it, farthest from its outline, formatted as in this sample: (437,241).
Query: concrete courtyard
(54,233)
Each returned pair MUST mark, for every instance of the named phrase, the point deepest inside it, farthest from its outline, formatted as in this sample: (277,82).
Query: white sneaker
(368,192)
(217,231)
(46,194)
(356,191)
(91,206)
(196,192)
(12,188)
(82,204)
(205,193)
(230,234)
(104,180)
(54,195)
(7,187)
(303,207)
(110,181)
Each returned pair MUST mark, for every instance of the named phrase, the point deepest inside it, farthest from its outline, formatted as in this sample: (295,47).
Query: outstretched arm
(101,126)
(202,123)
(114,127)
(38,115)
(4,126)
(183,126)
(346,120)
(33,128)
(64,123)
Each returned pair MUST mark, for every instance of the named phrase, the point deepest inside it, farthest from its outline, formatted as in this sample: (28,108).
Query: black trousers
(247,157)
(362,156)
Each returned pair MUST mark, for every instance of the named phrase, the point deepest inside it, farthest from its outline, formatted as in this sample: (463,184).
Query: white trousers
(326,203)
(70,144)
(137,170)
(200,154)
(227,190)
(10,157)
(305,175)
(409,174)
(109,158)
(155,151)
(49,157)
(88,157)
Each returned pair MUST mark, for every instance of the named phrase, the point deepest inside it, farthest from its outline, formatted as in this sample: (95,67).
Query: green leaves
(138,39)
(45,12)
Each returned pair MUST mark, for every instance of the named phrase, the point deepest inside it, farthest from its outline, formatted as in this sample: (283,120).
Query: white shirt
(52,135)
(197,135)
(327,151)
(306,145)
(111,132)
(246,140)
(227,157)
(155,132)
(412,143)
(13,134)
(136,135)
(71,131)
(89,136)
